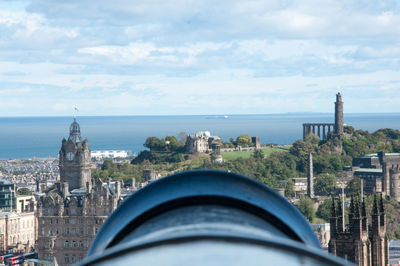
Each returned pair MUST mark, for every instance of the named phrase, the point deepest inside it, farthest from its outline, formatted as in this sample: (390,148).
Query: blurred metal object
(207,218)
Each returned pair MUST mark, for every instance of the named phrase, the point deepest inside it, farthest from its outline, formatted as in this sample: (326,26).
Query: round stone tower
(339,123)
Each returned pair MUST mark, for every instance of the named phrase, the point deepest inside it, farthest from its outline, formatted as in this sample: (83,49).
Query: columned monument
(323,130)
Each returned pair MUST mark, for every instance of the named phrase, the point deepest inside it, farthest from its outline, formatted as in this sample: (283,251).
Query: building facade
(360,243)
(70,215)
(7,195)
(18,230)
(69,221)
(380,172)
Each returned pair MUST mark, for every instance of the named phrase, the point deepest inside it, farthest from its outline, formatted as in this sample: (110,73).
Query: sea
(40,137)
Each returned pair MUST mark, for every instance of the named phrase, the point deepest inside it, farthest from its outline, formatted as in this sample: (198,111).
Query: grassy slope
(246,154)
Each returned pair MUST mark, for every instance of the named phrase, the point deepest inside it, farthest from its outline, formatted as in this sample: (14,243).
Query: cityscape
(199,132)
(54,207)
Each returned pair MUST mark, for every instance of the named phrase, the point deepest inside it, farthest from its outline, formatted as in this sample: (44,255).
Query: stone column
(310,177)
(324,132)
(319,131)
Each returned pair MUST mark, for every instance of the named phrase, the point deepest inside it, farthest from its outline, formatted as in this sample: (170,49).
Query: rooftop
(373,155)
(368,170)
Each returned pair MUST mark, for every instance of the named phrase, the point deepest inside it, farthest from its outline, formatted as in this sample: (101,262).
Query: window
(66,258)
(74,244)
(80,244)
(66,245)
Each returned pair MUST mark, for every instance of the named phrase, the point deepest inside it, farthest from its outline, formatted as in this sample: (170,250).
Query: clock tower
(75,159)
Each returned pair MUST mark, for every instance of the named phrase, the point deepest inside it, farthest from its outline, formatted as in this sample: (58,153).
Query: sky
(162,57)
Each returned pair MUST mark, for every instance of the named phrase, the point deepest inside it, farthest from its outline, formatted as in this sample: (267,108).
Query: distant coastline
(27,137)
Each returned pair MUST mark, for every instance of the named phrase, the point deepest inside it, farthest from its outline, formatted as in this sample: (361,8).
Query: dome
(75,132)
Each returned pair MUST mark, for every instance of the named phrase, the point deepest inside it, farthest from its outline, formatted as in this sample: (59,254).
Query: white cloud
(152,57)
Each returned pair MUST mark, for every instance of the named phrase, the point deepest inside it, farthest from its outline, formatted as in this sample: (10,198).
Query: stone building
(70,215)
(18,230)
(361,243)
(380,172)
(149,175)
(216,156)
(255,140)
(68,221)
(201,142)
(198,143)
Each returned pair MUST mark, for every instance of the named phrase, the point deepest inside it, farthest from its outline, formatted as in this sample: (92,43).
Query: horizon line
(211,115)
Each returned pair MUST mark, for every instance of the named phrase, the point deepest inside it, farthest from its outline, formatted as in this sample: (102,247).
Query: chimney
(65,189)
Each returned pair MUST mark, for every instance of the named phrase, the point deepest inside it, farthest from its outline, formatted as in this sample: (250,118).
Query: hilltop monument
(325,130)
(339,124)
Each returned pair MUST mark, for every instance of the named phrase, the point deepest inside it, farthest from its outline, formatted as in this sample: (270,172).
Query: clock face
(70,156)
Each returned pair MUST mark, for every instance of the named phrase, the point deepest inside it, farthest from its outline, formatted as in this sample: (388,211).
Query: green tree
(325,184)
(289,189)
(243,140)
(312,139)
(354,186)
(301,148)
(306,207)
(154,144)
(109,165)
(324,209)
(24,191)
(258,155)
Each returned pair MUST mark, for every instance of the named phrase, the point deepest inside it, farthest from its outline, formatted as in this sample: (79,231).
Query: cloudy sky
(161,57)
